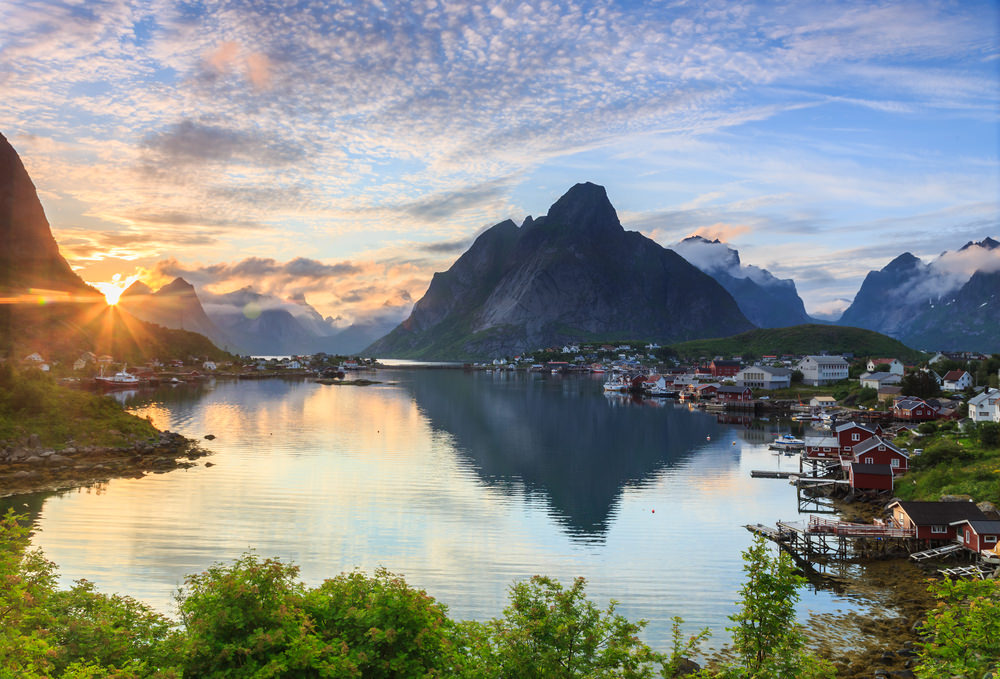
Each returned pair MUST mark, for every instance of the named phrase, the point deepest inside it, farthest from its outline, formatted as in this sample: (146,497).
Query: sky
(345,151)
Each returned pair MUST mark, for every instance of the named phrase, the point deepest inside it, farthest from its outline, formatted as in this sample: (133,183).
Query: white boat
(615,384)
(787,442)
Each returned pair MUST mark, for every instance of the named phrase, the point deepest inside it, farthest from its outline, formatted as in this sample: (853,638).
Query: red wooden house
(877,450)
(850,434)
(933,520)
(913,409)
(728,394)
(822,447)
(870,476)
(978,535)
(724,368)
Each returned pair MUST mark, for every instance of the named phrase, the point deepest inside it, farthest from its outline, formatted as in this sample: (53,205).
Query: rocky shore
(29,467)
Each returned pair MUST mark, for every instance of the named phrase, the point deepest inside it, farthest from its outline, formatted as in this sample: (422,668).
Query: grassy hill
(801,339)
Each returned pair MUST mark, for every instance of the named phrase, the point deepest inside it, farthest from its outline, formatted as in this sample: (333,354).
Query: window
(855,436)
(869,460)
(939,528)
(895,462)
(990,539)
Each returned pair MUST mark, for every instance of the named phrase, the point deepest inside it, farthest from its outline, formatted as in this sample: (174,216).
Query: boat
(787,442)
(615,384)
(120,380)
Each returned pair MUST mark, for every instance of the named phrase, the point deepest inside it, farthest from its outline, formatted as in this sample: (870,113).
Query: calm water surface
(462,482)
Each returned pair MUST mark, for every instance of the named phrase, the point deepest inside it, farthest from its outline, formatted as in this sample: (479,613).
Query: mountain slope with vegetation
(801,340)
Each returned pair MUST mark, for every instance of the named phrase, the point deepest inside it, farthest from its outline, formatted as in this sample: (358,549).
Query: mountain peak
(176,286)
(137,288)
(903,262)
(987,244)
(584,207)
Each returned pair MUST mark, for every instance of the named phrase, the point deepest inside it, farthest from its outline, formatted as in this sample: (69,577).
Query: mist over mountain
(175,305)
(767,301)
(572,275)
(951,303)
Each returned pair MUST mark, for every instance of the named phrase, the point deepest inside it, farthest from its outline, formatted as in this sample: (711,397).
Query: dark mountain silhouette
(574,274)
(48,308)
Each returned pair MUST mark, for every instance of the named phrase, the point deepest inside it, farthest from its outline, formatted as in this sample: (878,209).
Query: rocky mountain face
(767,301)
(952,303)
(29,255)
(573,275)
(175,305)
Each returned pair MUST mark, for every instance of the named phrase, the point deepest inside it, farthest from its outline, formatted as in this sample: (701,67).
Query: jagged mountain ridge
(768,301)
(574,274)
(934,306)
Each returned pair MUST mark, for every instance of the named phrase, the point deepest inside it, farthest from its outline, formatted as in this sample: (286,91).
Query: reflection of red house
(878,451)
(977,535)
(729,394)
(933,520)
(870,476)
(724,368)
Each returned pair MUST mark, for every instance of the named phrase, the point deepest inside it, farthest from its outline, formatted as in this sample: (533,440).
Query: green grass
(33,403)
(800,340)
(952,463)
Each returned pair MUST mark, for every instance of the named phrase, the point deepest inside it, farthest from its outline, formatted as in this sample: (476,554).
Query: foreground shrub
(962,631)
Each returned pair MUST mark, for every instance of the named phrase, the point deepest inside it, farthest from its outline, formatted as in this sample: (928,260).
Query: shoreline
(32,468)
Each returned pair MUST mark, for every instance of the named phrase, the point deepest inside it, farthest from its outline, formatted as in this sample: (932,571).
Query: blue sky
(347,150)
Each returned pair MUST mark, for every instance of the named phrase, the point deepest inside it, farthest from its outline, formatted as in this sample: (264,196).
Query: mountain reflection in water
(551,434)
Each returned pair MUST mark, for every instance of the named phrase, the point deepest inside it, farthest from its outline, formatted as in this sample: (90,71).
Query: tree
(246,620)
(989,434)
(797,377)
(382,627)
(767,640)
(920,384)
(548,632)
(962,631)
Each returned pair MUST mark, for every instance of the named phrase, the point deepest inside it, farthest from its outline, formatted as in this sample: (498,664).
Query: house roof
(879,469)
(954,375)
(726,389)
(874,442)
(990,527)
(882,361)
(927,513)
(727,364)
(911,403)
(821,441)
(852,424)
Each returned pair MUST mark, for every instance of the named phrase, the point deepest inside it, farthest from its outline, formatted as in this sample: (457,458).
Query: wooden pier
(771,474)
(829,539)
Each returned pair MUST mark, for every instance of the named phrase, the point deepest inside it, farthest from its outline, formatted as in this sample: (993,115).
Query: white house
(985,407)
(819,370)
(763,377)
(956,380)
(209,365)
(877,380)
(895,366)
(822,402)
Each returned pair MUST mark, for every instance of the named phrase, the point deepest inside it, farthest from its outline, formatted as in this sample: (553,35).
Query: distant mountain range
(573,275)
(248,322)
(951,303)
(767,301)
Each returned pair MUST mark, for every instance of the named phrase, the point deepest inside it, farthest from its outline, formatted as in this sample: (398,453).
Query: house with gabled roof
(732,393)
(956,380)
(934,520)
(877,450)
(978,535)
(820,370)
(983,407)
(913,409)
(895,365)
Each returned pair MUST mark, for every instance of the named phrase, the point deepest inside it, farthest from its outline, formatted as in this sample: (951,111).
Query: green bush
(941,452)
(927,427)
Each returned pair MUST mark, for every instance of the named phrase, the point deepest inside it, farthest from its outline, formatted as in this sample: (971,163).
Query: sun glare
(113,290)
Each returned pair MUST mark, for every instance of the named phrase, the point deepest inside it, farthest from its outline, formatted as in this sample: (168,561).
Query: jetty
(831,539)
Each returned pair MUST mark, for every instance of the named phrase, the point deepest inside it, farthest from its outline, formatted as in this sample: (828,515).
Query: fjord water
(461,482)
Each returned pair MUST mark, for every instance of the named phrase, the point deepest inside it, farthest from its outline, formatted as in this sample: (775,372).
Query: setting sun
(113,290)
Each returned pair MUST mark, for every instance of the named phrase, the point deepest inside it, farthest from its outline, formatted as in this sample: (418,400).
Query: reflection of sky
(334,478)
